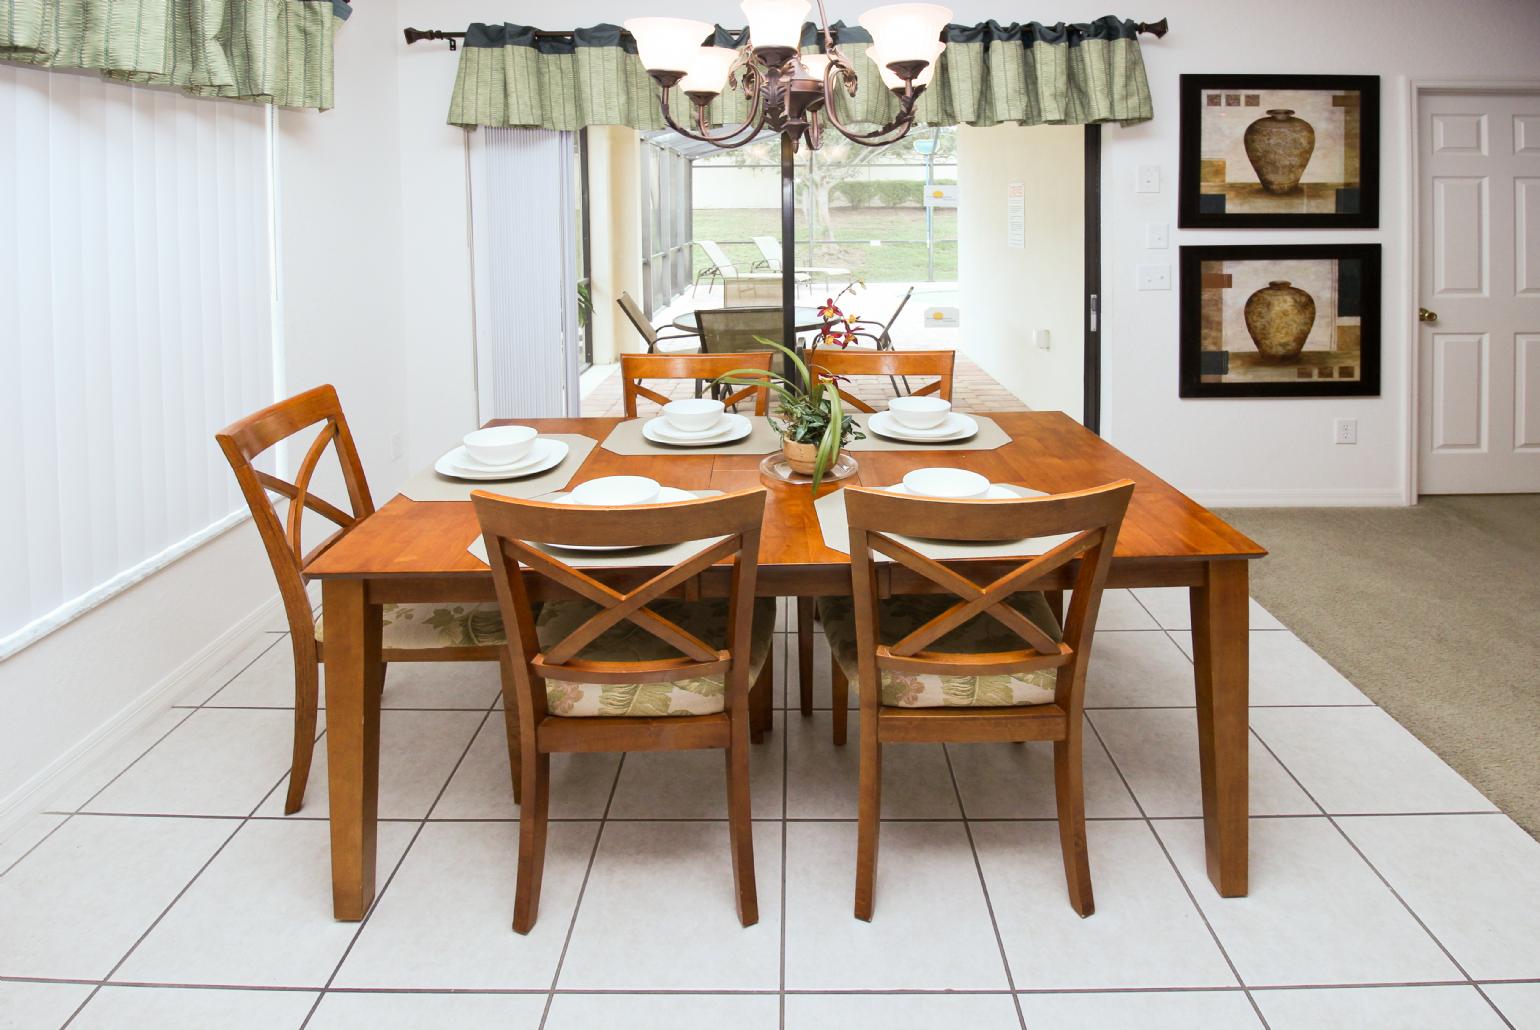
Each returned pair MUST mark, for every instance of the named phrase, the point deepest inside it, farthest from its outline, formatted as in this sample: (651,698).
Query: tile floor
(165,888)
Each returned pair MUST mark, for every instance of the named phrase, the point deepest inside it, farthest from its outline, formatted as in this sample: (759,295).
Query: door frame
(1091,243)
(1412,406)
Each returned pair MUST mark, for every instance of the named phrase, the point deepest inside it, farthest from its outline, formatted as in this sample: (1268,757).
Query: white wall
(1007,292)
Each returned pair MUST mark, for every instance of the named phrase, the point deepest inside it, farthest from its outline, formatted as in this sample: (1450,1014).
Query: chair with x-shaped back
(635,369)
(854,362)
(976,662)
(653,669)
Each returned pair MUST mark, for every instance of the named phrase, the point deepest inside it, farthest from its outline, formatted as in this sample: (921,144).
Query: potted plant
(808,415)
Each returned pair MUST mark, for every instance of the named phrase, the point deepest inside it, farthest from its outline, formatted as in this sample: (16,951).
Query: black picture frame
(1367,270)
(1193,212)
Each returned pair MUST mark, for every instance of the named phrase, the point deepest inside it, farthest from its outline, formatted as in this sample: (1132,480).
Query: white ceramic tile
(1361,761)
(267,682)
(823,675)
(216,762)
(260,915)
(1015,781)
(1157,750)
(252,651)
(418,752)
(1145,931)
(445,920)
(930,928)
(664,1011)
(1137,670)
(482,787)
(1520,1003)
(823,780)
(77,903)
(180,1008)
(28,1006)
(1316,914)
(1172,608)
(25,836)
(1473,879)
(899,1011)
(1405,1008)
(441,685)
(1284,671)
(1141,1010)
(1119,611)
(693,784)
(659,914)
(100,770)
(400,1011)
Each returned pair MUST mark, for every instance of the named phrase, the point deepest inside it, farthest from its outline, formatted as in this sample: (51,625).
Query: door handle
(1424,315)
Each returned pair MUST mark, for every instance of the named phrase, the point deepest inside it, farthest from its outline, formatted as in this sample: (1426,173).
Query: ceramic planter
(1279,317)
(1279,147)
(802,456)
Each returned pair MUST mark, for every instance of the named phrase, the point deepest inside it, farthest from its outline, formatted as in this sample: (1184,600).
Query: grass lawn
(900,257)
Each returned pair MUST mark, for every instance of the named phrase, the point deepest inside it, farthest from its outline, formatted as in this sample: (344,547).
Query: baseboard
(33,795)
(1389,498)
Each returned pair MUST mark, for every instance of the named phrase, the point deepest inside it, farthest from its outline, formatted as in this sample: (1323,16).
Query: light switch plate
(1157,236)
(1149,179)
(1154,277)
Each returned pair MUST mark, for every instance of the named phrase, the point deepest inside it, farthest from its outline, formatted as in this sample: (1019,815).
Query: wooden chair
(657,343)
(413,632)
(634,368)
(854,361)
(980,662)
(630,671)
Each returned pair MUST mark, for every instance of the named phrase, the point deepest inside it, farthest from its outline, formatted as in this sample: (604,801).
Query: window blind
(135,320)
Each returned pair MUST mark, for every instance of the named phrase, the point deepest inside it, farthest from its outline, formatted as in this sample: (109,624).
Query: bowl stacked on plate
(500,453)
(696,422)
(922,420)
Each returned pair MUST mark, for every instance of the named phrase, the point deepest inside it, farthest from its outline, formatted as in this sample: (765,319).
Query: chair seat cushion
(899,616)
(418,627)
(628,642)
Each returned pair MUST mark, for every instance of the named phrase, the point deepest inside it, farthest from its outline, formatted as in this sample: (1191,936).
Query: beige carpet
(1432,611)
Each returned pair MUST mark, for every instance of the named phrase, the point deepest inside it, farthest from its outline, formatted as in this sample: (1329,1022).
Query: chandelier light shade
(775,24)
(891,79)
(907,32)
(709,66)
(668,46)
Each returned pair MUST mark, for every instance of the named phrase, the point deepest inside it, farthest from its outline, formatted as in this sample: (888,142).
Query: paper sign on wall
(1015,215)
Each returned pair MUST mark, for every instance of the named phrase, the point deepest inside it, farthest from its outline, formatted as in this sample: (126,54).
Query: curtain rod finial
(1158,29)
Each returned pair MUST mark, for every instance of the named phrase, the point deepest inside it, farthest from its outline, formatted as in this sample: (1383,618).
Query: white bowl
(950,484)
(615,491)
(920,412)
(500,445)
(693,414)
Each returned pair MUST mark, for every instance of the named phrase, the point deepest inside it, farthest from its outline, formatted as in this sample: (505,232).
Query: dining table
(416,551)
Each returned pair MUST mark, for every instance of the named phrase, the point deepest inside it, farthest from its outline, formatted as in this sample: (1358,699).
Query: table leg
(354,676)
(805,607)
(1221,648)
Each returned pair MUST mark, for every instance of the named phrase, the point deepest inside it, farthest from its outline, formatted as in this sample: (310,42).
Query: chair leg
(841,694)
(306,689)
(740,824)
(533,813)
(511,729)
(762,700)
(806,608)
(869,816)
(1069,789)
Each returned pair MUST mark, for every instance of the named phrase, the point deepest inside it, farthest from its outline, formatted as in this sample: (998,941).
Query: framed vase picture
(1280,151)
(1280,320)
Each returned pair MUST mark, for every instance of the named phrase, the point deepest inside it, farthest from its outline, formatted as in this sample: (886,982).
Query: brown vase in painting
(1279,317)
(1279,147)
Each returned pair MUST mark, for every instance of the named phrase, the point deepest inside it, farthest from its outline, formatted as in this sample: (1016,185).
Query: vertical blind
(135,320)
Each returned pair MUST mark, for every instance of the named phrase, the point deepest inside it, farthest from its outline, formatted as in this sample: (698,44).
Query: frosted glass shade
(890,78)
(708,70)
(814,65)
(776,23)
(667,44)
(906,32)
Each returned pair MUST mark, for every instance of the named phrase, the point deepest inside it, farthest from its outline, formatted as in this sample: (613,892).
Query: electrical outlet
(1041,338)
(397,446)
(1148,180)
(1345,430)
(1154,277)
(1157,236)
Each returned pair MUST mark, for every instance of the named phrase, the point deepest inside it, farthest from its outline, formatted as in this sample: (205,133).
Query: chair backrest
(733,330)
(855,361)
(638,320)
(634,368)
(243,441)
(718,257)
(887,327)
(728,527)
(1093,517)
(771,251)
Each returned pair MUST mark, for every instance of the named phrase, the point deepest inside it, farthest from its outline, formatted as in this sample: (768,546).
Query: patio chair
(770,259)
(735,331)
(883,337)
(722,268)
(675,343)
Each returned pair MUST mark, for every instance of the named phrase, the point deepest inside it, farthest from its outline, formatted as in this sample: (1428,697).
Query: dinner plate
(720,425)
(466,463)
(956,427)
(996,493)
(666,495)
(551,454)
(659,431)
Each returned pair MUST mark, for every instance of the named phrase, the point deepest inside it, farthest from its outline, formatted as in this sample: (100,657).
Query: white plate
(551,454)
(956,427)
(996,493)
(659,431)
(468,464)
(666,495)
(716,427)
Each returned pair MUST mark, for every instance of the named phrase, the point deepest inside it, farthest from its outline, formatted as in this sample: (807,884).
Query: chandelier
(788,92)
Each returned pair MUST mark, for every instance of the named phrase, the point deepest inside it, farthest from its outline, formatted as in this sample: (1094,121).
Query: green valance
(267,51)
(1028,74)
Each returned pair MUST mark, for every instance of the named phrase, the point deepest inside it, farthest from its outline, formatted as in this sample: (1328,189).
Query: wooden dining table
(414,551)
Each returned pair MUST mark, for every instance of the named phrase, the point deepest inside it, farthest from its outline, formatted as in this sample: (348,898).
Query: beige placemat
(428,485)
(836,534)
(627,438)
(659,557)
(989,436)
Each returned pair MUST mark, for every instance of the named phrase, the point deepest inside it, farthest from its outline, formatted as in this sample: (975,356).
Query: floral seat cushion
(628,642)
(411,627)
(899,616)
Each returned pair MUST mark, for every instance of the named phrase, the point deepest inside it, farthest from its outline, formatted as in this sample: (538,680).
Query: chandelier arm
(749,129)
(889,133)
(721,140)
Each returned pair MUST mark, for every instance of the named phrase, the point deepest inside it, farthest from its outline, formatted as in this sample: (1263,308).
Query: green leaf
(635,698)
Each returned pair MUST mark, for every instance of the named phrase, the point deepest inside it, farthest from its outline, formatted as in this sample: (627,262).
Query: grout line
(785,808)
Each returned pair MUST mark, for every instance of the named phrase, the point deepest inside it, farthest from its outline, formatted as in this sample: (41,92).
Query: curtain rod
(1152,28)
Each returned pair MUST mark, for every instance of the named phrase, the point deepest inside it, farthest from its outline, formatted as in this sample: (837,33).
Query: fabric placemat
(627,438)
(836,534)
(661,557)
(989,436)
(428,485)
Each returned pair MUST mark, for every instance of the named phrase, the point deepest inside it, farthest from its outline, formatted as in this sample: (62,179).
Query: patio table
(417,551)
(806,320)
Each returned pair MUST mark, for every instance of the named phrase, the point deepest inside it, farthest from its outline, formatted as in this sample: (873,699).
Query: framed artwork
(1280,152)
(1281,320)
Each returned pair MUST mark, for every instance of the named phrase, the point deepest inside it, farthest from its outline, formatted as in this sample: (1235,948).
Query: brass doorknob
(1424,315)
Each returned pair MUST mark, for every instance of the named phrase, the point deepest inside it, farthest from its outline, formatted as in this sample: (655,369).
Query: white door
(1479,284)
